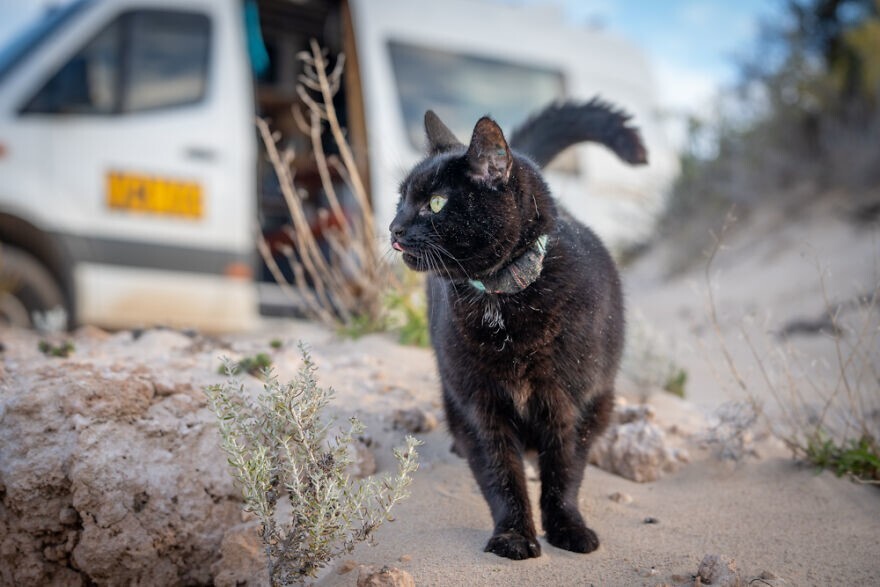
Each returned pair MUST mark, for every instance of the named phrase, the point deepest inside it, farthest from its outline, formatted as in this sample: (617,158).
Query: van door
(152,159)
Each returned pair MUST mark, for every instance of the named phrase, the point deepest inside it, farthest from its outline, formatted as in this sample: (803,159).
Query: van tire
(26,288)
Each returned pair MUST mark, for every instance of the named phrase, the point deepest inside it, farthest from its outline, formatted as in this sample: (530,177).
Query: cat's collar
(518,275)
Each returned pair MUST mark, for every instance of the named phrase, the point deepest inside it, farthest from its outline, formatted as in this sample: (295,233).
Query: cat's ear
(488,154)
(440,138)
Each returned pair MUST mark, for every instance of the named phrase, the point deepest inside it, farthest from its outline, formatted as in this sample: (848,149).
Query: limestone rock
(242,559)
(635,447)
(363,460)
(719,570)
(414,420)
(620,497)
(384,577)
(103,480)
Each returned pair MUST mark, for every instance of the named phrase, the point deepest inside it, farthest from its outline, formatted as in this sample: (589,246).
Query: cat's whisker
(437,263)
(445,252)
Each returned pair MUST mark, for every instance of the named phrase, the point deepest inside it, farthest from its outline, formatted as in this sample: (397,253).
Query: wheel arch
(18,232)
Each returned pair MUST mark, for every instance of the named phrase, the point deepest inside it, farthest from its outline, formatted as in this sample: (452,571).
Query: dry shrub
(829,413)
(341,285)
(294,479)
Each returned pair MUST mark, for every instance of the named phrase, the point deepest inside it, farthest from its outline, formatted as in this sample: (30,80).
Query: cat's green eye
(437,202)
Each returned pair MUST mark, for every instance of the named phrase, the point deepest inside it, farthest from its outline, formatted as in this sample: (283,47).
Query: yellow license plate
(154,195)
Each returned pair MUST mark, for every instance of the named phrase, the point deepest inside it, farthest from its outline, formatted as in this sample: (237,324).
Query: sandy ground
(767,512)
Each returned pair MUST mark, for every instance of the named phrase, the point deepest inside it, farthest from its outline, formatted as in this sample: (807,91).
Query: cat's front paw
(573,536)
(514,546)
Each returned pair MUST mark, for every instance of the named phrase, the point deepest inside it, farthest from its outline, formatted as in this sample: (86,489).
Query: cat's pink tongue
(397,247)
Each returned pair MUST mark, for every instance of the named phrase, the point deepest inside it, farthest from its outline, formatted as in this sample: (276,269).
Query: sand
(770,513)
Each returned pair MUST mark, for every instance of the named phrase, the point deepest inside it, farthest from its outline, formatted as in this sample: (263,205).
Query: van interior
(286,29)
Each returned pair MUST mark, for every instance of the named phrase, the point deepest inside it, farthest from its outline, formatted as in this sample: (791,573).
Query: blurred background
(134,187)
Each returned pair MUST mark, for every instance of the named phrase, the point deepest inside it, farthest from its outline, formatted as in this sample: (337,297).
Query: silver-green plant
(278,449)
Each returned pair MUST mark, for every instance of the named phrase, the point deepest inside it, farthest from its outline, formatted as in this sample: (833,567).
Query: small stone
(93,332)
(414,420)
(651,520)
(652,572)
(767,576)
(719,570)
(624,414)
(405,558)
(384,577)
(346,567)
(363,462)
(68,516)
(618,497)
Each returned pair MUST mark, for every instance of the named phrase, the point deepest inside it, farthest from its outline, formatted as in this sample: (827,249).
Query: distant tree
(842,32)
(802,120)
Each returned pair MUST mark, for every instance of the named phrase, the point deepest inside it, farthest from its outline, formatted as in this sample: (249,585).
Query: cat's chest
(506,327)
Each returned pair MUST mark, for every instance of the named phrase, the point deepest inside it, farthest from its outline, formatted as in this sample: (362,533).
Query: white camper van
(132,184)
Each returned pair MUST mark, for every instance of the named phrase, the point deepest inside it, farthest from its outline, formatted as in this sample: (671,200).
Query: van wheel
(29,295)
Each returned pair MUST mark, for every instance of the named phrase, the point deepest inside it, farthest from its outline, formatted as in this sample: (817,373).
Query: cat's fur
(531,369)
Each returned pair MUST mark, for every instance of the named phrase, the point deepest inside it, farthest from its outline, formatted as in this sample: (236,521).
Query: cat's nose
(397,229)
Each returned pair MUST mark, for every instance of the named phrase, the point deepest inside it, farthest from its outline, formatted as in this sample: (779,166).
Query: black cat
(525,310)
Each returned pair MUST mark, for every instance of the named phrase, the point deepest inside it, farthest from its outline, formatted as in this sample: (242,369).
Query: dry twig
(344,285)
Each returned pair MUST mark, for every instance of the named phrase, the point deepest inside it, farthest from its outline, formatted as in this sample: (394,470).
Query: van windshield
(461,88)
(24,43)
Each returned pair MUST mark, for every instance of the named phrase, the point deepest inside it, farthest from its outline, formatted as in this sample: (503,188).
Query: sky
(16,13)
(692,44)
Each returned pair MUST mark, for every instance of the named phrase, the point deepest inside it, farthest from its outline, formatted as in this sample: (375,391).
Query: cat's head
(466,210)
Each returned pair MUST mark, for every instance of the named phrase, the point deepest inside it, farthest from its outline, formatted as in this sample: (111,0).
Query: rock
(242,558)
(650,572)
(719,570)
(414,420)
(91,332)
(363,460)
(104,480)
(619,497)
(158,341)
(384,577)
(634,447)
(624,413)
(346,567)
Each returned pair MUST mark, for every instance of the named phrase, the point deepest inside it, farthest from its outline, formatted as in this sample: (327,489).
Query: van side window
(462,87)
(87,83)
(143,60)
(167,59)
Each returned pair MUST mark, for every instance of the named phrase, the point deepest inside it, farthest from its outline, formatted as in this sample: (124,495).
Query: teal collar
(518,275)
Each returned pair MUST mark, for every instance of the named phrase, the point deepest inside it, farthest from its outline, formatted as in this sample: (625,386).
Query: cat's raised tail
(558,126)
